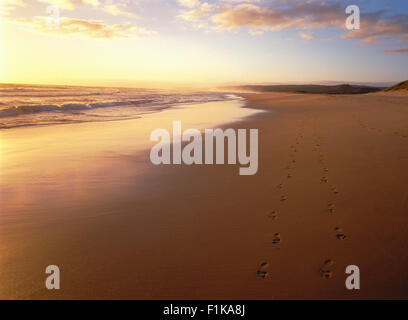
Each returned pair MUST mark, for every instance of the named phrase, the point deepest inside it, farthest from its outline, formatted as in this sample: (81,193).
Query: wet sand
(205,232)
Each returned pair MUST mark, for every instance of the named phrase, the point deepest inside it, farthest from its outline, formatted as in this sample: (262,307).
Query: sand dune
(310,88)
(402,86)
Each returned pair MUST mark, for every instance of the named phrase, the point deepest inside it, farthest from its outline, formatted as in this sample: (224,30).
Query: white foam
(32,105)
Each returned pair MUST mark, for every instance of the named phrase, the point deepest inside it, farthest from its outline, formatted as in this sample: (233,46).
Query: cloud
(256,32)
(13,2)
(258,15)
(6,6)
(382,29)
(310,14)
(252,16)
(189,3)
(402,50)
(119,9)
(306,35)
(196,13)
(115,8)
(70,4)
(87,28)
(379,27)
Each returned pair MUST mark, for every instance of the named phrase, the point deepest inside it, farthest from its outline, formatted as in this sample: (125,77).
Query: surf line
(192,152)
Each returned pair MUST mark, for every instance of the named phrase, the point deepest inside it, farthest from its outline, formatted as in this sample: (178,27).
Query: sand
(205,232)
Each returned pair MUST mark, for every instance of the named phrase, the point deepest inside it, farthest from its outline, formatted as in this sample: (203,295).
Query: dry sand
(202,232)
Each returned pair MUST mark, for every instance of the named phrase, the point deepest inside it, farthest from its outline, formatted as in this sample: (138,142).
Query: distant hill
(402,86)
(310,88)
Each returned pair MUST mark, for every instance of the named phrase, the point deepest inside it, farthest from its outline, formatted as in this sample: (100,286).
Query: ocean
(33,105)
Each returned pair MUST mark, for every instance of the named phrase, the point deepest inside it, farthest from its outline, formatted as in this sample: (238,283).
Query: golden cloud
(70,4)
(119,9)
(6,6)
(88,28)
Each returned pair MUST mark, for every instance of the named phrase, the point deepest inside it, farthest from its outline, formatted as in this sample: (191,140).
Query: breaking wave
(42,105)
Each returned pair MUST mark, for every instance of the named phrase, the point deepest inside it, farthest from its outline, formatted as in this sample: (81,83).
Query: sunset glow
(194,42)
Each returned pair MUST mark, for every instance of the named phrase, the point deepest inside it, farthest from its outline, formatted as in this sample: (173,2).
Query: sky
(201,43)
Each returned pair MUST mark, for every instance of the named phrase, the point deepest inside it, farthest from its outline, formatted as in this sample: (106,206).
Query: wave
(22,110)
(16,111)
(31,109)
(26,105)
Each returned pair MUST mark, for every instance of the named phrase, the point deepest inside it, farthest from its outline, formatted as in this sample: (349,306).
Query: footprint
(323,179)
(283,198)
(279,186)
(273,215)
(276,238)
(325,170)
(330,208)
(261,270)
(339,233)
(325,271)
(289,176)
(335,191)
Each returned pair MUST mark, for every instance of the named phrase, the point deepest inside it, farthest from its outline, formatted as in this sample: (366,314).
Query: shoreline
(135,117)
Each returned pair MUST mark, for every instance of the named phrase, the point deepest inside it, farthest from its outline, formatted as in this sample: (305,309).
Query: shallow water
(32,105)
(75,162)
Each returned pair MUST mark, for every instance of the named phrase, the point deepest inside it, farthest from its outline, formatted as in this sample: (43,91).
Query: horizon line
(155,85)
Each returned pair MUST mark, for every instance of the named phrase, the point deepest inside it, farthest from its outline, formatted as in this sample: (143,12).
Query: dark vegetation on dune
(402,86)
(310,88)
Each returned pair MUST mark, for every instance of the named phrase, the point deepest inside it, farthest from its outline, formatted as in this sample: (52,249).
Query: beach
(331,185)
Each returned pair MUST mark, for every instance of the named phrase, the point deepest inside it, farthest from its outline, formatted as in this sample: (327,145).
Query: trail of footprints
(273,215)
(363,125)
(325,269)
